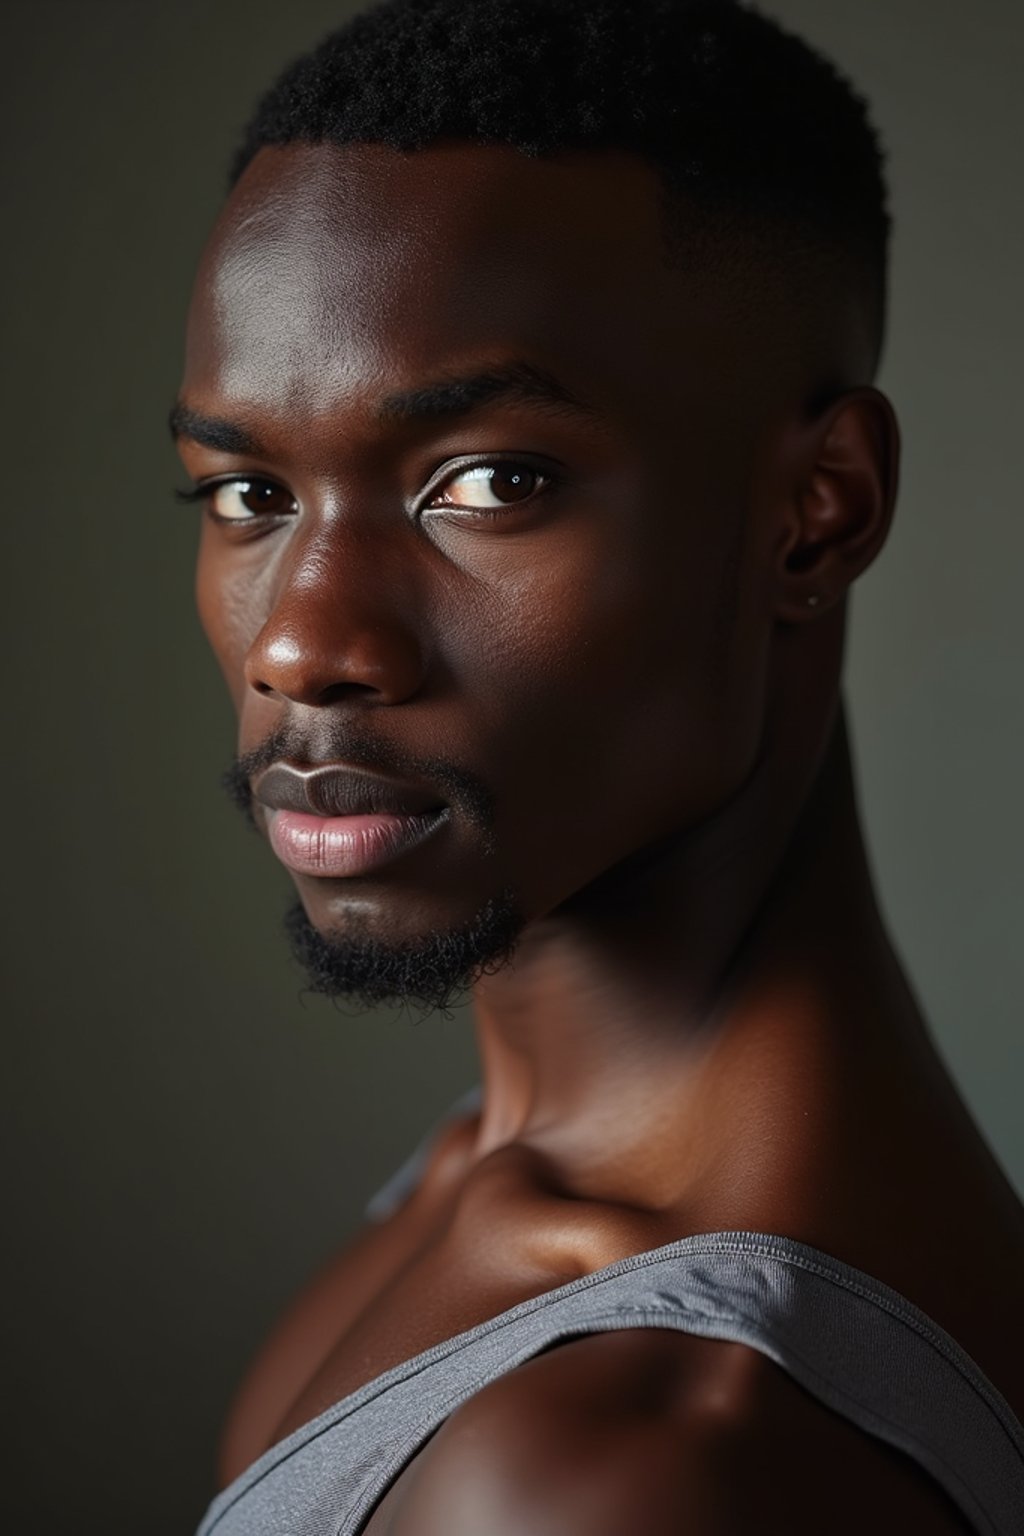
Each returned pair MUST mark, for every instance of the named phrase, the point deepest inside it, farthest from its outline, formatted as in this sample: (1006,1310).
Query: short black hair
(763,142)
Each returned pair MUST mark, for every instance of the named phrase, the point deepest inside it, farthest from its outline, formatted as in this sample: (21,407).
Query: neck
(617,1001)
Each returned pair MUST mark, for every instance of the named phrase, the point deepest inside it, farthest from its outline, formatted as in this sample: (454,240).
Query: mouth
(335,821)
(347,845)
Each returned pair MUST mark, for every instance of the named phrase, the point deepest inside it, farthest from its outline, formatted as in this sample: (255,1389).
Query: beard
(431,971)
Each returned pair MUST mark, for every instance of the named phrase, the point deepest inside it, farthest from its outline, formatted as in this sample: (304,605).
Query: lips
(338,791)
(337,822)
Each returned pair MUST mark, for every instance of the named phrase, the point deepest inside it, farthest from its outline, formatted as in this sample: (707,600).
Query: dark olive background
(187,1135)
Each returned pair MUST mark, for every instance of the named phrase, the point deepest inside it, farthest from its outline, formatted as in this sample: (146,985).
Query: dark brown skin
(716,1037)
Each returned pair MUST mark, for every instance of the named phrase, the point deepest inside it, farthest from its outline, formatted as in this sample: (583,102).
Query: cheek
(631,699)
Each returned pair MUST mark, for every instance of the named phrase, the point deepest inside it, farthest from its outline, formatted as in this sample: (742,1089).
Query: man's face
(548,614)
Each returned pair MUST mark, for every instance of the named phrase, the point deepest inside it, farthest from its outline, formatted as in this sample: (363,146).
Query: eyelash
(548,482)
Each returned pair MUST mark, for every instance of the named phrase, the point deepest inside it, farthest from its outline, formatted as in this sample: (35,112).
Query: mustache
(463,789)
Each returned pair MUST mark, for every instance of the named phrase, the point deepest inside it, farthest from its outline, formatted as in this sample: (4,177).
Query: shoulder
(651,1430)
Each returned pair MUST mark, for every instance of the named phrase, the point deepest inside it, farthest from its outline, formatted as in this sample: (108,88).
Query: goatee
(431,971)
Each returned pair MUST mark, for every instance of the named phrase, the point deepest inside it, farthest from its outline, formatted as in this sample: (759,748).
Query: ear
(843,490)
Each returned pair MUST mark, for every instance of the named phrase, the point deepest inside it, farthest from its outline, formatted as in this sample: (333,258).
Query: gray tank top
(856,1345)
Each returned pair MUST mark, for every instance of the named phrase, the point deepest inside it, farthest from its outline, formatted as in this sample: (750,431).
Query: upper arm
(565,1444)
(649,1432)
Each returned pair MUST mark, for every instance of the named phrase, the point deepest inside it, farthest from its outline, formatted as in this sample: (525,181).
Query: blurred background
(187,1135)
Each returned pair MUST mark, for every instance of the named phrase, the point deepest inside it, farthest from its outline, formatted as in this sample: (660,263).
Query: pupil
(258,496)
(505,483)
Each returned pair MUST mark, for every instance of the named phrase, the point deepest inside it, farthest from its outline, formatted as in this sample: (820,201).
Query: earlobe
(841,504)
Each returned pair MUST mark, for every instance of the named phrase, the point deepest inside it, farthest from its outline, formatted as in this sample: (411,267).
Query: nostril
(346,690)
(309,693)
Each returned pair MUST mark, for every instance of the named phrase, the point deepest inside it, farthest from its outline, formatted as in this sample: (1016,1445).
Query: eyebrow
(210,431)
(516,383)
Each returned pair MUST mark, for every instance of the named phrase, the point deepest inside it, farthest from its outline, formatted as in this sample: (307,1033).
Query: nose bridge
(342,617)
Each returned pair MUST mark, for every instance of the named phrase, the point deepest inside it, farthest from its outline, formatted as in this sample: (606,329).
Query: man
(528,396)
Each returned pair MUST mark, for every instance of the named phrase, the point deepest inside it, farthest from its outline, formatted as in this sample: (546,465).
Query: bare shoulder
(654,1431)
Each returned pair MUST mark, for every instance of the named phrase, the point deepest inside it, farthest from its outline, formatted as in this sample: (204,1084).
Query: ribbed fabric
(855,1344)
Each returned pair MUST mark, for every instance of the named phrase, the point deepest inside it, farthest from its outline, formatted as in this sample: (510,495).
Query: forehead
(333,270)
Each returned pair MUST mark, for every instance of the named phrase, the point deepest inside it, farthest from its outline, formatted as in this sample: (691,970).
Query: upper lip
(334,790)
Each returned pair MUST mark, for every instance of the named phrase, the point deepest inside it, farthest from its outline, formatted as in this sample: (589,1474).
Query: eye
(490,487)
(242,499)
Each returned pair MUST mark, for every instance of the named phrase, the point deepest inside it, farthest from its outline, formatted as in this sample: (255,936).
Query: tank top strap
(857,1346)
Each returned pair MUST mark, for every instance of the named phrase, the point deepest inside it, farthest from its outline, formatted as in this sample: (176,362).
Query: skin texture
(704,1025)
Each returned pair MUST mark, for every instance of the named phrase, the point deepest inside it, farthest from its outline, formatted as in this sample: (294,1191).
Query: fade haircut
(767,158)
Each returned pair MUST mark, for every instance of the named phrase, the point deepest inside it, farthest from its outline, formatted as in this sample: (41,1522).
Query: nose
(341,625)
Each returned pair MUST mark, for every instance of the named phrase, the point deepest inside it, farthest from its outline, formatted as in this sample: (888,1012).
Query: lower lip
(346,845)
